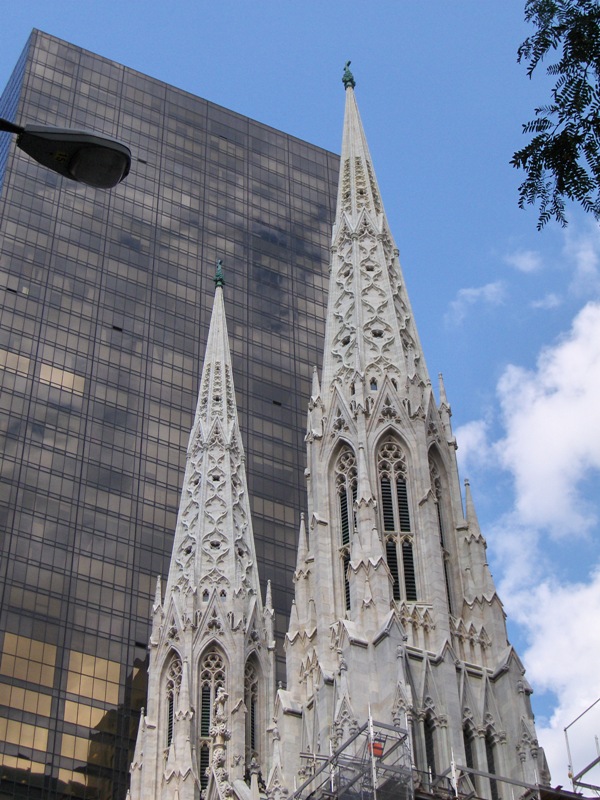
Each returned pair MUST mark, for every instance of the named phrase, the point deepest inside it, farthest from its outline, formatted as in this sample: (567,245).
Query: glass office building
(105,302)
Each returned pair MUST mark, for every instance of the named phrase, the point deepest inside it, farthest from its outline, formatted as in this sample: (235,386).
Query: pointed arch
(212,669)
(396,515)
(346,487)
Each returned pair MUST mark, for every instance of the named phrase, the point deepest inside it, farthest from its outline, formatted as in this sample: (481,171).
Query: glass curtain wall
(105,299)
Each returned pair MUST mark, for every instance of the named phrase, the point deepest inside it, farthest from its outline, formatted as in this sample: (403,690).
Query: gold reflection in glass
(28,659)
(12,362)
(16,762)
(24,735)
(61,379)
(25,700)
(69,776)
(91,676)
(79,714)
(74,747)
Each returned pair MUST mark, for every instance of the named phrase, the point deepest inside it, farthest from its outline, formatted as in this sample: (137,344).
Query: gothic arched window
(346,482)
(251,701)
(395,518)
(436,485)
(173,677)
(212,677)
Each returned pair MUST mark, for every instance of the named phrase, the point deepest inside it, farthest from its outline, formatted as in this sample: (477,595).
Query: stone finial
(443,396)
(157,595)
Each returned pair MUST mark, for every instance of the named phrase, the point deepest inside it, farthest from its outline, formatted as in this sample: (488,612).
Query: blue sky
(510,316)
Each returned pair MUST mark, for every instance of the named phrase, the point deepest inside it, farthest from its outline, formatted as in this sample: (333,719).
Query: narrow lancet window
(468,743)
(429,733)
(346,482)
(402,497)
(391,554)
(491,764)
(251,701)
(408,564)
(346,565)
(173,685)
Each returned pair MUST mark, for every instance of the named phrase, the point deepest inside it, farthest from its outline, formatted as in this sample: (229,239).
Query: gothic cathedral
(400,677)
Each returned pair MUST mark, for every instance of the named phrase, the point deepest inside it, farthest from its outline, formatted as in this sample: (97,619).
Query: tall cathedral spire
(211,652)
(370,331)
(396,580)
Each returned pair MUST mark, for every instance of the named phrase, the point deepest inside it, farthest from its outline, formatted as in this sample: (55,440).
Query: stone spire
(211,635)
(370,330)
(213,539)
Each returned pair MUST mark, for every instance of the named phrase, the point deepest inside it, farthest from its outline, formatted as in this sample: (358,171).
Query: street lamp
(89,158)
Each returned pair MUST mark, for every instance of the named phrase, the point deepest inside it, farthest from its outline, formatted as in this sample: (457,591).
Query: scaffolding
(587,749)
(373,764)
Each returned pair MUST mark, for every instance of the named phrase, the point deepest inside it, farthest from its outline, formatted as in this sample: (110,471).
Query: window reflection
(28,659)
(23,734)
(21,763)
(25,700)
(61,379)
(13,362)
(95,677)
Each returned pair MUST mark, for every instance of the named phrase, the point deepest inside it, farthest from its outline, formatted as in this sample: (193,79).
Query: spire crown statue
(348,77)
(219,278)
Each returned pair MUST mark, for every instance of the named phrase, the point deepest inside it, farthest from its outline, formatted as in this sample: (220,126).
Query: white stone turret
(211,680)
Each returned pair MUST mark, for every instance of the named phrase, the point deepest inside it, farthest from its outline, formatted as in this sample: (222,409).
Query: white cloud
(552,431)
(516,547)
(473,446)
(582,250)
(562,657)
(524,260)
(490,294)
(551,447)
(547,302)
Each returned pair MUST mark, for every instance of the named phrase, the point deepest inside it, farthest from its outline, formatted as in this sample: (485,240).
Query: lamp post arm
(10,127)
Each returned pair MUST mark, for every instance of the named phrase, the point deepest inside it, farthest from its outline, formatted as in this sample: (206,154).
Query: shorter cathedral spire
(212,590)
